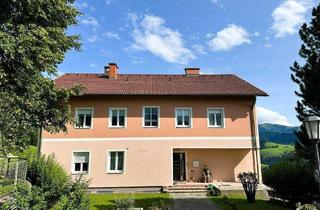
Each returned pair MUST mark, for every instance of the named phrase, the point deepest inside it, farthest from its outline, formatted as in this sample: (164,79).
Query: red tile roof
(156,84)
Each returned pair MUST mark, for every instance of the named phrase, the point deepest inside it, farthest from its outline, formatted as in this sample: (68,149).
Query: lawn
(273,149)
(240,203)
(144,200)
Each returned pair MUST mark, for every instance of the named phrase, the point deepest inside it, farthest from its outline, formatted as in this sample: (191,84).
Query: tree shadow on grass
(139,203)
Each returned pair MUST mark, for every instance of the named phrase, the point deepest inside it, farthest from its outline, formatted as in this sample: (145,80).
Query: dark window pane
(88,120)
(147,117)
(186,120)
(154,110)
(219,119)
(147,123)
(154,123)
(120,161)
(121,120)
(211,119)
(77,166)
(147,110)
(154,116)
(85,167)
(114,120)
(112,161)
(179,120)
(80,120)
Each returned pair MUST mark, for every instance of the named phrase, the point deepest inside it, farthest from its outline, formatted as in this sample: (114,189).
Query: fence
(13,168)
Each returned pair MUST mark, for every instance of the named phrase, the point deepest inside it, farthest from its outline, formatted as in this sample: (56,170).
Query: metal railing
(13,168)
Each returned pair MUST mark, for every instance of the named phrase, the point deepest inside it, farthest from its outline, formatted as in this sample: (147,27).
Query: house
(152,130)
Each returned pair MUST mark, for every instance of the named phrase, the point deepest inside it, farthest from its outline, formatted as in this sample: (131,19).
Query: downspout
(39,142)
(255,139)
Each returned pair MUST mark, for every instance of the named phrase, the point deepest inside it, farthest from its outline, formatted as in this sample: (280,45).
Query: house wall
(225,164)
(149,163)
(149,150)
(237,117)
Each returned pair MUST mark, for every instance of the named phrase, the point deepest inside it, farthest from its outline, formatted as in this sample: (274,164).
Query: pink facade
(147,154)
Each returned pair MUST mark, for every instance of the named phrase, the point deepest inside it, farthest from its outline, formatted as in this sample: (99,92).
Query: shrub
(51,187)
(292,180)
(46,173)
(25,197)
(159,205)
(125,203)
(249,182)
(74,197)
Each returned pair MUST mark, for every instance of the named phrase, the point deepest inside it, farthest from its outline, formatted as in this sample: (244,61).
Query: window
(80,162)
(151,116)
(84,118)
(116,162)
(183,117)
(216,118)
(117,117)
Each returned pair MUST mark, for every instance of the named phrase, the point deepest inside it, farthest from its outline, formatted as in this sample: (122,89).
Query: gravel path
(192,201)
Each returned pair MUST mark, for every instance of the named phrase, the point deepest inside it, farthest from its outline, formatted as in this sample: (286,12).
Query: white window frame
(222,116)
(109,171)
(73,166)
(125,117)
(76,117)
(143,114)
(176,115)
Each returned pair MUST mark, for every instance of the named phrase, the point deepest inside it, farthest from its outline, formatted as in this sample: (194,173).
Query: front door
(179,166)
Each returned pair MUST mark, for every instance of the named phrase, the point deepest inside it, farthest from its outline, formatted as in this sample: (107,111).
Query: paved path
(192,201)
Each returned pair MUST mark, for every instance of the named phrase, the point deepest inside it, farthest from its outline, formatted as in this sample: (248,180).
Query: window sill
(82,128)
(117,127)
(150,126)
(79,173)
(115,172)
(216,127)
(178,126)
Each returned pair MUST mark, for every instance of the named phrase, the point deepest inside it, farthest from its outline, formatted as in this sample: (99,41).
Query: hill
(280,134)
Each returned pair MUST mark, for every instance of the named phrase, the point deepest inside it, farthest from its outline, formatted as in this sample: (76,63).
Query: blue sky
(256,40)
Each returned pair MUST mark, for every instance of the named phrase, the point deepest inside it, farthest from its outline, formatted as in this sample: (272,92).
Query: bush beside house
(52,188)
(292,180)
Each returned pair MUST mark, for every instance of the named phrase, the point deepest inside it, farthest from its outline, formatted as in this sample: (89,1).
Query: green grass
(6,186)
(275,150)
(144,200)
(240,203)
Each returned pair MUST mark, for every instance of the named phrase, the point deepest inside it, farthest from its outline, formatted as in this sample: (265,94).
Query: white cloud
(90,21)
(288,16)
(92,39)
(108,2)
(93,65)
(111,35)
(267,45)
(153,36)
(218,3)
(199,49)
(269,116)
(229,37)
(82,5)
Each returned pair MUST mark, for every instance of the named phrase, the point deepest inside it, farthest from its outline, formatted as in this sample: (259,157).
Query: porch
(226,188)
(224,164)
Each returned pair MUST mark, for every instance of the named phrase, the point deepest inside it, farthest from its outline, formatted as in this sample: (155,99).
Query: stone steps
(186,189)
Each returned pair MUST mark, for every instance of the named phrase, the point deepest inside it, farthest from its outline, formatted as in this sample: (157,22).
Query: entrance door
(179,166)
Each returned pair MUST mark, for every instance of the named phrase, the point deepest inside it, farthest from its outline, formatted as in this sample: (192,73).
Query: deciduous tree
(33,41)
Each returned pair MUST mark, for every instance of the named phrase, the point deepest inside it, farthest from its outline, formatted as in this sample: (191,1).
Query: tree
(307,76)
(33,41)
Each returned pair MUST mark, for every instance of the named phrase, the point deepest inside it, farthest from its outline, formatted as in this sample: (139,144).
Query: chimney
(192,71)
(111,71)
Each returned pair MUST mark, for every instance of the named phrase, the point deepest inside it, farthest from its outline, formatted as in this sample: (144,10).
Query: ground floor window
(80,162)
(116,161)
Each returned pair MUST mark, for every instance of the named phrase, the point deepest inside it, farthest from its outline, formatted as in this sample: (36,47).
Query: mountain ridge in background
(280,134)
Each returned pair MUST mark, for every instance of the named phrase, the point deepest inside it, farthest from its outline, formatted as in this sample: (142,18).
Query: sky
(256,40)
